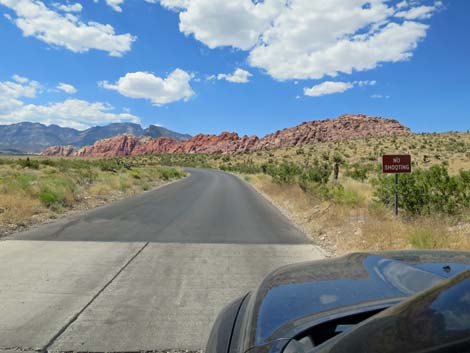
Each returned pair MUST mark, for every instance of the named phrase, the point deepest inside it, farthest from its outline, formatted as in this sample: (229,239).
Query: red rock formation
(342,128)
(64,151)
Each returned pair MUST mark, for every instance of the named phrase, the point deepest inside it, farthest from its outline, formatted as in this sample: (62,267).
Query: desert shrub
(85,175)
(49,197)
(113,164)
(135,174)
(24,181)
(57,191)
(345,197)
(427,191)
(48,162)
(318,173)
(107,165)
(170,173)
(285,173)
(245,168)
(357,172)
(28,163)
(317,190)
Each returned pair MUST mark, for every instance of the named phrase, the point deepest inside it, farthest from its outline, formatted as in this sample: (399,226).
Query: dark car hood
(433,321)
(294,294)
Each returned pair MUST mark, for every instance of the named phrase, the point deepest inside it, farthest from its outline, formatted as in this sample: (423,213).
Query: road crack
(77,315)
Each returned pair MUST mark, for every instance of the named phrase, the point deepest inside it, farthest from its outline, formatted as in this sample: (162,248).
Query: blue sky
(234,65)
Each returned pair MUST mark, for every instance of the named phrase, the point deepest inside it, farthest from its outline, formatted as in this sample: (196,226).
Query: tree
(337,160)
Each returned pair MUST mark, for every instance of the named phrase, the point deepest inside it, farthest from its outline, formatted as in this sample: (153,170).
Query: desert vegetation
(34,189)
(336,192)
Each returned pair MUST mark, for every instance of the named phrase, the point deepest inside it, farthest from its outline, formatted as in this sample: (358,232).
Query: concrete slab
(43,285)
(169,296)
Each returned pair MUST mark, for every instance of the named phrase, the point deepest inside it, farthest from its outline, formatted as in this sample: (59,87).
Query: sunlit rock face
(343,128)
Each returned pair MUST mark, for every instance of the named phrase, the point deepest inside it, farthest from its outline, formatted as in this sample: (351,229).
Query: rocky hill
(342,128)
(29,137)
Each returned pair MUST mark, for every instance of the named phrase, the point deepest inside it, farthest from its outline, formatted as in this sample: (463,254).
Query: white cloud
(305,39)
(23,87)
(66,30)
(158,90)
(77,7)
(20,79)
(365,83)
(328,87)
(402,4)
(10,92)
(238,76)
(287,58)
(236,23)
(67,88)
(70,113)
(419,12)
(115,4)
(170,4)
(173,4)
(379,96)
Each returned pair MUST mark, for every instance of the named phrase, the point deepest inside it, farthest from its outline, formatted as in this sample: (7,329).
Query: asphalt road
(147,273)
(207,207)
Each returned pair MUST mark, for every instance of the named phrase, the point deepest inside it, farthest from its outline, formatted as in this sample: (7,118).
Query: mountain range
(342,128)
(29,137)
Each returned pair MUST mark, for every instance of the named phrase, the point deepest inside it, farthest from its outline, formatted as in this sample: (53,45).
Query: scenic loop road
(148,273)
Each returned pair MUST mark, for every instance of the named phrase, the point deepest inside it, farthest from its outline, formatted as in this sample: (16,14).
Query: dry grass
(17,209)
(341,228)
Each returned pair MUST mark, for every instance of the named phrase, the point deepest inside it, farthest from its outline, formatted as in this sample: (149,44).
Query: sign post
(396,164)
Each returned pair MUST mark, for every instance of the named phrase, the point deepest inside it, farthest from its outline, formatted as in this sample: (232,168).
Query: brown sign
(396,163)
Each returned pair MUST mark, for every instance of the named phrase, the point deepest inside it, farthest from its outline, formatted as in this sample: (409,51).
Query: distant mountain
(158,131)
(34,137)
(342,128)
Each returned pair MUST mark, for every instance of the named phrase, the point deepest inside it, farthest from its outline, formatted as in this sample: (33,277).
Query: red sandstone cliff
(342,128)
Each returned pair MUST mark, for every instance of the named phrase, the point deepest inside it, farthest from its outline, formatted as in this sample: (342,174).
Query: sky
(253,67)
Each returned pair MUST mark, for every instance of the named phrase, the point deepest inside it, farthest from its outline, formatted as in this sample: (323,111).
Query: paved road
(208,207)
(147,273)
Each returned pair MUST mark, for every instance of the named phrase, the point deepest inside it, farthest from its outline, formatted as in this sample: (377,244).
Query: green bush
(48,197)
(48,162)
(28,163)
(344,197)
(135,174)
(357,172)
(24,181)
(427,191)
(170,173)
(318,173)
(286,173)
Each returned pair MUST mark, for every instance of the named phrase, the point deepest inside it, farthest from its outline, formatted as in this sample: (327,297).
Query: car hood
(291,296)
